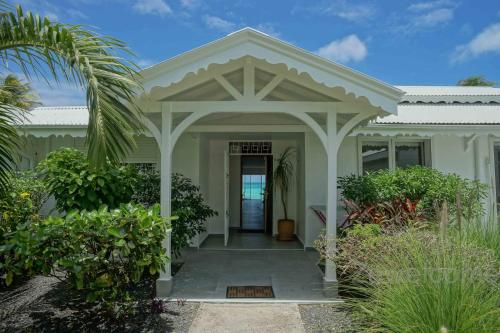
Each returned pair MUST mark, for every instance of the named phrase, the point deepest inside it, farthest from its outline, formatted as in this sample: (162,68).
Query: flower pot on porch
(286,229)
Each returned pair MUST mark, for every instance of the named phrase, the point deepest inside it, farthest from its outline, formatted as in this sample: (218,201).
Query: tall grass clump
(420,281)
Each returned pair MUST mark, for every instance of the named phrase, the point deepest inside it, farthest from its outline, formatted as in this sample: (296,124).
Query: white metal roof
(58,116)
(449,91)
(444,114)
(473,114)
(450,94)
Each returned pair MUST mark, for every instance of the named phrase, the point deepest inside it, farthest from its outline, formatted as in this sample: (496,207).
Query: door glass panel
(253,187)
(409,154)
(375,155)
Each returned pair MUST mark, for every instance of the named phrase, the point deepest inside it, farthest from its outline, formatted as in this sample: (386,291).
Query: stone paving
(246,318)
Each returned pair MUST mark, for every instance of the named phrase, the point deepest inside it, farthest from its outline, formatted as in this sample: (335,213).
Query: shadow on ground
(47,305)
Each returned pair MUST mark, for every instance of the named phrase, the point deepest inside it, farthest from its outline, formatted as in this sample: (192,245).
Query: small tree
(75,184)
(476,81)
(283,177)
(188,205)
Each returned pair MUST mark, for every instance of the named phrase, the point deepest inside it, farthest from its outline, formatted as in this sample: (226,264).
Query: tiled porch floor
(249,241)
(206,274)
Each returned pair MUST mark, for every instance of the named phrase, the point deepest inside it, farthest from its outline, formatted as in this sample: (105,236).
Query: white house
(220,112)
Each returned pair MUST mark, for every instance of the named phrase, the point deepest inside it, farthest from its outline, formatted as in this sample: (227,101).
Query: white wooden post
(164,283)
(331,205)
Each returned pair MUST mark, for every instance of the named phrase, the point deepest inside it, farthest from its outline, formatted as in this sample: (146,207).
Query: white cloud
(191,4)
(155,7)
(52,93)
(434,17)
(218,23)
(344,9)
(75,13)
(349,48)
(268,28)
(487,41)
(355,13)
(422,6)
(52,11)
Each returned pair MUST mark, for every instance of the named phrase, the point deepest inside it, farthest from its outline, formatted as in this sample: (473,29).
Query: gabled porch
(249,87)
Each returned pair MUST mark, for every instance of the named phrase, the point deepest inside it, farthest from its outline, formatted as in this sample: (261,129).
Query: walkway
(206,274)
(243,318)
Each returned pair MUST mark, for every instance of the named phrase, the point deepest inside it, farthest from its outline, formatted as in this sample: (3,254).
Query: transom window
(377,153)
(250,148)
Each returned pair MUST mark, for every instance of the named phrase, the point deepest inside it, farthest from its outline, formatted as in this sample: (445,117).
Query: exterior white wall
(315,185)
(234,191)
(185,157)
(449,155)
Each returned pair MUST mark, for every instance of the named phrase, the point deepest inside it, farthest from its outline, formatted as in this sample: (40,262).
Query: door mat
(249,292)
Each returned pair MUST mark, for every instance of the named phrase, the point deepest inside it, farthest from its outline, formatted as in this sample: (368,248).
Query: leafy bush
(425,189)
(102,252)
(188,205)
(190,209)
(77,185)
(417,281)
(22,202)
(147,188)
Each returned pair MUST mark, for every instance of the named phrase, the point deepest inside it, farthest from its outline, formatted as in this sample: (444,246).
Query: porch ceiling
(291,88)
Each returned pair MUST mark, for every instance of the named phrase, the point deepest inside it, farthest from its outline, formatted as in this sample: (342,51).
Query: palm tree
(13,91)
(71,53)
(476,81)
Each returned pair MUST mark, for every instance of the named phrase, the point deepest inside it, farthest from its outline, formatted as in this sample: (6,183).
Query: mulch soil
(45,304)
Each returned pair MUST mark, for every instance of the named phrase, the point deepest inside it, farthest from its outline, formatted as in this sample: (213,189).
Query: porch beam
(203,112)
(153,129)
(270,86)
(249,128)
(164,282)
(331,205)
(249,79)
(228,86)
(269,106)
(252,106)
(351,124)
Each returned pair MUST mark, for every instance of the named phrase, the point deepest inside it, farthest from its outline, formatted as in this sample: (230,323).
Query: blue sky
(428,42)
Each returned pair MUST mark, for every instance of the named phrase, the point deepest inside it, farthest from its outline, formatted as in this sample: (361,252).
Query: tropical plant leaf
(76,55)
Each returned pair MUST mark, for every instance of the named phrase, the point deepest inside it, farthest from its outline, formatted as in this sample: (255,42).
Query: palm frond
(46,49)
(9,139)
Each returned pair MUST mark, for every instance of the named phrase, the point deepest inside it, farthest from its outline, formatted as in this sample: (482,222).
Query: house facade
(222,113)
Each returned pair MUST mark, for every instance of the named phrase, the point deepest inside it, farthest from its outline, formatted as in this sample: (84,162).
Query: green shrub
(147,188)
(76,185)
(188,205)
(425,186)
(416,281)
(22,202)
(190,209)
(102,253)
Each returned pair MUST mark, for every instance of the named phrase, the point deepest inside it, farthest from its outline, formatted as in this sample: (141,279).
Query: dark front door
(254,187)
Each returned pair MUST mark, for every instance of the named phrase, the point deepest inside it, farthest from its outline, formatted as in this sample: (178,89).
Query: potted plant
(282,179)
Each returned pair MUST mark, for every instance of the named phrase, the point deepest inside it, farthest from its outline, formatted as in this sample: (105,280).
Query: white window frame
(391,142)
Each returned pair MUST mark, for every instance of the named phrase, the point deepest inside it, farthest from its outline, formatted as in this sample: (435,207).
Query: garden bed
(44,304)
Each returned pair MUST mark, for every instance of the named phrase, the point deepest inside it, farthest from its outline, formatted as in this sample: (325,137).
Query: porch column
(164,282)
(482,159)
(331,204)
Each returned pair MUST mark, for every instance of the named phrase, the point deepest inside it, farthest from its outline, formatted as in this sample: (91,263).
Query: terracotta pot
(286,229)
